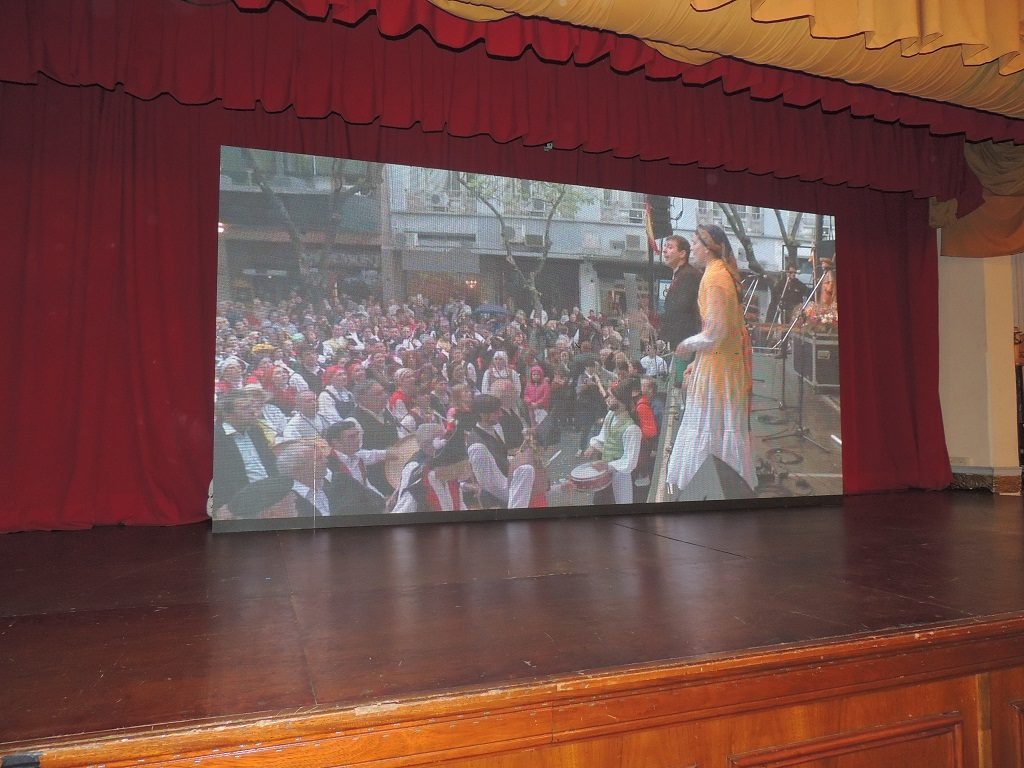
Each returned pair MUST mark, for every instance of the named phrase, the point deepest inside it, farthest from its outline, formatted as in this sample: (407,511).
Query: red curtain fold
(281,61)
(107,225)
(107,297)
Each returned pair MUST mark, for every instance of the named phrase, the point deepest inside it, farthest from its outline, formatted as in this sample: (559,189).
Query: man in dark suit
(241,452)
(298,491)
(787,293)
(380,429)
(681,317)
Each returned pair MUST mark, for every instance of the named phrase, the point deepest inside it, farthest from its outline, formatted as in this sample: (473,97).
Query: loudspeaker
(661,223)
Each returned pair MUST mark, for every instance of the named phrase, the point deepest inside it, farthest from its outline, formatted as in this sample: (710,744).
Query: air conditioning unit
(515,234)
(636,216)
(617,245)
(414,201)
(438,202)
(534,241)
(409,239)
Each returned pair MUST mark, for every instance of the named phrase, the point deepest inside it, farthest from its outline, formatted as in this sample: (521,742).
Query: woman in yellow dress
(715,423)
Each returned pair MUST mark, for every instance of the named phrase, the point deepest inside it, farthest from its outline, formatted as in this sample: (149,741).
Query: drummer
(446,476)
(488,455)
(410,494)
(618,444)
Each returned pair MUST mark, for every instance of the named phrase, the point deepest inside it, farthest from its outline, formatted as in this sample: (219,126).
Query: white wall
(590,289)
(976,376)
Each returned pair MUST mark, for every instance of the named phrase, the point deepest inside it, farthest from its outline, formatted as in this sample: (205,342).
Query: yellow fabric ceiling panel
(986,30)
(944,33)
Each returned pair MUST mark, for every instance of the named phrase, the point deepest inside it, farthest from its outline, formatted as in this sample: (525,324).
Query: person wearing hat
(787,293)
(229,375)
(410,496)
(401,400)
(618,444)
(489,458)
(350,491)
(500,370)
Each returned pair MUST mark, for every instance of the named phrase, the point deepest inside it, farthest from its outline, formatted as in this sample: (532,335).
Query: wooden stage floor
(133,627)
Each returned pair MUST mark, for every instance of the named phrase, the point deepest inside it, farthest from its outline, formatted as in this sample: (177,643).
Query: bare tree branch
(738,228)
(547,244)
(789,236)
(277,204)
(509,258)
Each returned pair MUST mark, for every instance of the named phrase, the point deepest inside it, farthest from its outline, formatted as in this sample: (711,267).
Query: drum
(398,456)
(590,477)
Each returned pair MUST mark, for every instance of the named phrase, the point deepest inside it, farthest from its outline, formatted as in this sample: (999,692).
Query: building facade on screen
(429,234)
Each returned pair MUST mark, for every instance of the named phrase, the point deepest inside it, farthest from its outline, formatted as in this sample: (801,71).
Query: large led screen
(398,343)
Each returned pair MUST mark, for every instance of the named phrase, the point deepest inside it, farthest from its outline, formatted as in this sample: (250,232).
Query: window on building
(808,224)
(709,213)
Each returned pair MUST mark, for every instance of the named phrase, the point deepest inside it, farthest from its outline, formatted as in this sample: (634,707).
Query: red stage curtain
(281,61)
(107,226)
(108,294)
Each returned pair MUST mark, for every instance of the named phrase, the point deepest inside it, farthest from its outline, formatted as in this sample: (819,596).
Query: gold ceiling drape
(997,227)
(917,47)
(984,30)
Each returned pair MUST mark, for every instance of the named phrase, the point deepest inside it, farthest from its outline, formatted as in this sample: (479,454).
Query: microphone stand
(774,323)
(799,431)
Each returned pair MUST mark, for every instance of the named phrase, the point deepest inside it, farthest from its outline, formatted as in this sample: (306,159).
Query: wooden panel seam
(857,741)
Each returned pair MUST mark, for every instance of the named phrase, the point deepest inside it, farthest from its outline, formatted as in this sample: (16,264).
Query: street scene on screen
(394,340)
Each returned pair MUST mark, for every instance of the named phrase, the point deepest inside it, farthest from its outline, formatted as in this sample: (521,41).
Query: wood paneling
(1007,712)
(933,742)
(669,717)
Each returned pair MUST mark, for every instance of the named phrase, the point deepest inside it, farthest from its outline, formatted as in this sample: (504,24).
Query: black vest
(496,448)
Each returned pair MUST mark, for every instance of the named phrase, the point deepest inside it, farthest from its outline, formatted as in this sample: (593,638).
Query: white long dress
(715,420)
